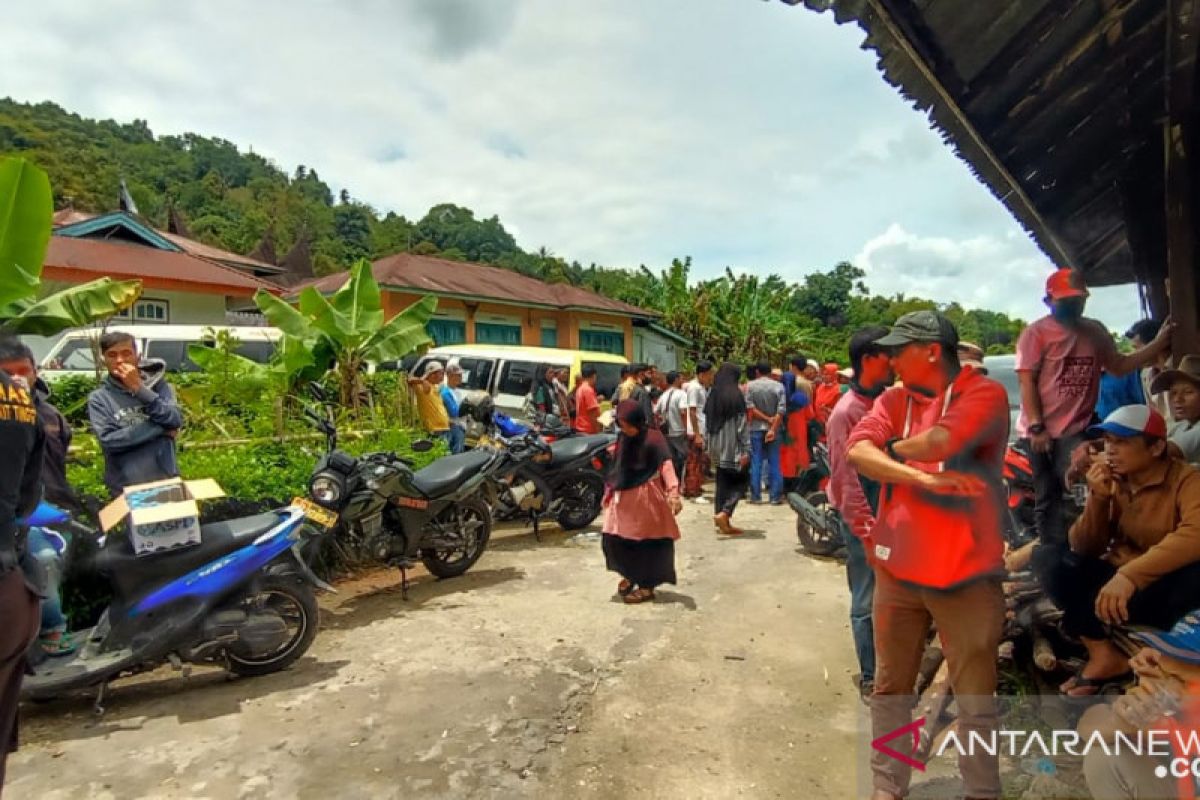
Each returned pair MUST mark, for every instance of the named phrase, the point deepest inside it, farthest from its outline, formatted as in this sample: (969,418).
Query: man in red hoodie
(936,445)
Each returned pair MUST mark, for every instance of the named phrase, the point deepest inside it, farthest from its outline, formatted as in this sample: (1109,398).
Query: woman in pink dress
(640,505)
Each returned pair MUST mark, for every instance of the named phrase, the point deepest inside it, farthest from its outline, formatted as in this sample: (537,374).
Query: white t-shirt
(672,408)
(697,396)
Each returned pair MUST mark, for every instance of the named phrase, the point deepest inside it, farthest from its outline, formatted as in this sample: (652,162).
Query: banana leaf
(403,333)
(283,316)
(26,216)
(70,308)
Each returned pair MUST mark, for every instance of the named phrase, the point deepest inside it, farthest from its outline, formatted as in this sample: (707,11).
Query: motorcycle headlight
(327,489)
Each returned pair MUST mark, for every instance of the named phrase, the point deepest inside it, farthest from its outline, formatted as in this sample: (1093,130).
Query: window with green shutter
(447,331)
(493,333)
(602,342)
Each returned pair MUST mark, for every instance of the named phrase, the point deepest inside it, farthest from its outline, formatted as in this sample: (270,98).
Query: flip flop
(1091,686)
(61,645)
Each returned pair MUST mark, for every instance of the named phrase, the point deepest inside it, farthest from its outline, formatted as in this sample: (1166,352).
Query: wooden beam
(1057,251)
(1179,138)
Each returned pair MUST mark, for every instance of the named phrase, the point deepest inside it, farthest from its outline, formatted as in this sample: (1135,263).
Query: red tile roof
(125,260)
(439,276)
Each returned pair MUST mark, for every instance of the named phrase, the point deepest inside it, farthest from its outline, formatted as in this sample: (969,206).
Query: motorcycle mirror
(422,446)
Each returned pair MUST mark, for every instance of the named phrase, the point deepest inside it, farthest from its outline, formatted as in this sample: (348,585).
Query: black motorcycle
(818,524)
(396,515)
(562,480)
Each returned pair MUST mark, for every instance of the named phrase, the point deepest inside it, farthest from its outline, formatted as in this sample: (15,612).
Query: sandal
(1091,686)
(58,644)
(639,595)
(624,587)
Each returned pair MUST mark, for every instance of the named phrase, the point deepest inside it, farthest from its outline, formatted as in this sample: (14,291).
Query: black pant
(1073,581)
(679,452)
(1049,475)
(731,487)
(19,608)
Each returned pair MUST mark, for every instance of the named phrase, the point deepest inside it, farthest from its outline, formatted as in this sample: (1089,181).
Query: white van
(72,354)
(507,372)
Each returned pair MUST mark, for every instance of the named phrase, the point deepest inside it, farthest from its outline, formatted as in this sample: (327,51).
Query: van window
(75,354)
(260,352)
(516,377)
(608,377)
(477,373)
(174,353)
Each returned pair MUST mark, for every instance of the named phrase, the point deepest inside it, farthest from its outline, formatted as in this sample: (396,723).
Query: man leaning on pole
(936,445)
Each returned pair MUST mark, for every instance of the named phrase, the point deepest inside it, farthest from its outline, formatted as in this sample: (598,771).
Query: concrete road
(524,678)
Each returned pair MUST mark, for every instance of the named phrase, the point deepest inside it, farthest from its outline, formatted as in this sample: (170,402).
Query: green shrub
(69,395)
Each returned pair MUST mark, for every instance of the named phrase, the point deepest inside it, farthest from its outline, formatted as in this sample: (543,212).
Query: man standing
(1059,361)
(696,391)
(134,416)
(857,498)
(22,442)
(767,404)
(587,405)
(451,398)
(937,446)
(430,407)
(671,411)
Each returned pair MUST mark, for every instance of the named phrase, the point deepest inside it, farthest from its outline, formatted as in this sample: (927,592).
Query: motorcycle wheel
(580,497)
(472,520)
(823,541)
(295,603)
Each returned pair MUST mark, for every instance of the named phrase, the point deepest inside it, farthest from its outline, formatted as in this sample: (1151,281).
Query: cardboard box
(162,515)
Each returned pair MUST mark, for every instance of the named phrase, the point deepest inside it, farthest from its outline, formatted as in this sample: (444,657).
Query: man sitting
(1135,551)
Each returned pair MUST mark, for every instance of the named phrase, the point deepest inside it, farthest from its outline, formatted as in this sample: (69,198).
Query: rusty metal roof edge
(902,68)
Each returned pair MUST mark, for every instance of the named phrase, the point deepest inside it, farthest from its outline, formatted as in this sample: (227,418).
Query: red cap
(1065,282)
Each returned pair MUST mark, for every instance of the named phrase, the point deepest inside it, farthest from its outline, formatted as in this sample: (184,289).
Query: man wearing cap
(430,407)
(936,446)
(971,355)
(1059,361)
(1182,387)
(1135,551)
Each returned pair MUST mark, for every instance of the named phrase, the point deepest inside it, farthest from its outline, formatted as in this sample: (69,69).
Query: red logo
(913,728)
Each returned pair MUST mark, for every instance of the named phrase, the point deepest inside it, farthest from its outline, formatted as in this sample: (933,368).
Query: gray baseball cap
(921,326)
(431,368)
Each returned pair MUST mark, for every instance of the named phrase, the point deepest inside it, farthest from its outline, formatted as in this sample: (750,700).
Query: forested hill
(206,188)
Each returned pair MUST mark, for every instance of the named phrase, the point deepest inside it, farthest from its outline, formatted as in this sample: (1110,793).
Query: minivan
(72,354)
(507,372)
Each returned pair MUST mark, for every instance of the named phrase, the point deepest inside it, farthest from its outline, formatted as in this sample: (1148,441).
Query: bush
(69,395)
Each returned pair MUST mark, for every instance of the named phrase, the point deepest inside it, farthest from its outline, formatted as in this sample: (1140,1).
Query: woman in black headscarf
(728,443)
(640,505)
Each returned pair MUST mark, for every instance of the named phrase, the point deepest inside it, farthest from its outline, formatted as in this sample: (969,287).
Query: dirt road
(522,679)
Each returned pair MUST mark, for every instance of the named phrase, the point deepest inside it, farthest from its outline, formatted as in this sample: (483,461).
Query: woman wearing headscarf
(828,392)
(728,443)
(640,505)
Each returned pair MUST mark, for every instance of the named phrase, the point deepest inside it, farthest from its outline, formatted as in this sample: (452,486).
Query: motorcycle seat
(447,474)
(565,450)
(129,571)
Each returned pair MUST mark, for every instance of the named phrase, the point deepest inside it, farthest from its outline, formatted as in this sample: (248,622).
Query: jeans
(762,450)
(42,547)
(861,578)
(455,438)
(679,446)
(1049,473)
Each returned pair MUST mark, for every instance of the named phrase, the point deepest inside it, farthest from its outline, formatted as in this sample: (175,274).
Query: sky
(745,133)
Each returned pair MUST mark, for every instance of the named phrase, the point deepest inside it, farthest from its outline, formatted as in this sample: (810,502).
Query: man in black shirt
(22,443)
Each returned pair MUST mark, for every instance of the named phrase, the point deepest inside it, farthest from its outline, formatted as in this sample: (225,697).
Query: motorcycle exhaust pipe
(526,496)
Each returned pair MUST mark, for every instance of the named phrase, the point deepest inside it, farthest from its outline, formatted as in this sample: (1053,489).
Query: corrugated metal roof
(459,279)
(1056,106)
(123,260)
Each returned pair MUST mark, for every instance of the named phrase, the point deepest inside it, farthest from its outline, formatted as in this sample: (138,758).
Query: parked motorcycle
(818,524)
(242,598)
(397,515)
(561,480)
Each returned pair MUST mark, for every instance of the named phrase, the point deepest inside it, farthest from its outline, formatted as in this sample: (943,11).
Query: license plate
(322,516)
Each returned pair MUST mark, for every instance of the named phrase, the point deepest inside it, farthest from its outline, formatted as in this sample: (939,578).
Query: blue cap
(1182,642)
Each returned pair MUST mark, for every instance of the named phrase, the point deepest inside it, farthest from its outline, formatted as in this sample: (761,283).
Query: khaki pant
(969,622)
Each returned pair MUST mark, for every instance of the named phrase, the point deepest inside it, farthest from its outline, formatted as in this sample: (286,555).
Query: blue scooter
(242,598)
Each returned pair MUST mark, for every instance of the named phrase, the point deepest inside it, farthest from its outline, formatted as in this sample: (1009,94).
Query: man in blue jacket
(134,416)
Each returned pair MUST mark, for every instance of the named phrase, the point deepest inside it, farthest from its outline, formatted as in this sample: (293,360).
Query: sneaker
(700,501)
(755,502)
(777,501)
(865,690)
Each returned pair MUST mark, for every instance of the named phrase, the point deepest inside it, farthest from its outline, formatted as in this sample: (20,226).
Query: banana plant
(26,219)
(347,330)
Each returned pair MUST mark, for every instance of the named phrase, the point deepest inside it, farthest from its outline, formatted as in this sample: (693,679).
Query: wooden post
(1179,136)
